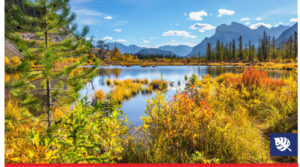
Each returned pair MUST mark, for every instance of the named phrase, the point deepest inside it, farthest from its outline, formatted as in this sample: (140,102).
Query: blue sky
(153,23)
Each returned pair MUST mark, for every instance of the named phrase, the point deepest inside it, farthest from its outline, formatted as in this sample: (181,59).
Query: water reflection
(135,106)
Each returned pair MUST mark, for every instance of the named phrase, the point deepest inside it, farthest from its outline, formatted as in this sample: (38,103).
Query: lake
(134,107)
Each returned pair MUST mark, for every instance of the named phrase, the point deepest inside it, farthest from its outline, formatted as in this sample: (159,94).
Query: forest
(276,56)
(222,119)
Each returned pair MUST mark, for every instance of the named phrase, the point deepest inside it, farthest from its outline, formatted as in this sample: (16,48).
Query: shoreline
(263,65)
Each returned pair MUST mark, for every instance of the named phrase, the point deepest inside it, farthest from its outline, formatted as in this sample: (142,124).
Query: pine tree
(222,52)
(218,51)
(250,56)
(264,46)
(253,53)
(295,45)
(102,48)
(209,52)
(234,52)
(273,48)
(230,52)
(44,83)
(199,57)
(241,54)
(290,48)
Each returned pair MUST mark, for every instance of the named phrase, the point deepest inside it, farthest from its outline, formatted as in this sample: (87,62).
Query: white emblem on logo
(282,143)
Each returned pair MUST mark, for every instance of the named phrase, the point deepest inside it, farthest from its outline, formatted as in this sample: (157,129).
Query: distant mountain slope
(152,51)
(180,50)
(285,35)
(133,49)
(226,33)
(273,32)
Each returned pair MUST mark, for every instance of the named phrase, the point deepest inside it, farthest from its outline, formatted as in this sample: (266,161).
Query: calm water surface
(134,108)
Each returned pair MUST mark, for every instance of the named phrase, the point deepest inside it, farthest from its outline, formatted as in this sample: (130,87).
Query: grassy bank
(288,66)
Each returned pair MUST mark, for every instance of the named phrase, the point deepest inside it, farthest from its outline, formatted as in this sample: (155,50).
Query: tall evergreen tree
(199,57)
(264,46)
(234,52)
(209,53)
(229,58)
(273,48)
(241,54)
(102,48)
(219,56)
(295,45)
(44,83)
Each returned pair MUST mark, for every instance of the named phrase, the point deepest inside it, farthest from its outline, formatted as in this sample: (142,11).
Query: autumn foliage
(100,95)
(254,77)
(216,120)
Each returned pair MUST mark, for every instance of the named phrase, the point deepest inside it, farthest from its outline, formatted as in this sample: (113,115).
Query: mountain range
(224,33)
(153,51)
(133,49)
(179,50)
(285,35)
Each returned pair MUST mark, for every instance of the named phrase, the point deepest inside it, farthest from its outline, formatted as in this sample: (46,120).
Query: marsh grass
(125,89)
(227,120)
(159,84)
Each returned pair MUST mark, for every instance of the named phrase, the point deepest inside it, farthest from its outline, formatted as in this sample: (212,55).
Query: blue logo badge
(284,144)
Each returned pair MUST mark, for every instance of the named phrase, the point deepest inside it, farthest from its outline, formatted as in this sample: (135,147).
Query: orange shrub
(100,95)
(7,77)
(253,77)
(185,116)
(179,118)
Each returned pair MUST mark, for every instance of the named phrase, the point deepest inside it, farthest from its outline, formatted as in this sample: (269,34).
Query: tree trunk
(49,103)
(48,89)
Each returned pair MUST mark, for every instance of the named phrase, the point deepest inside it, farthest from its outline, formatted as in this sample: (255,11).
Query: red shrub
(253,77)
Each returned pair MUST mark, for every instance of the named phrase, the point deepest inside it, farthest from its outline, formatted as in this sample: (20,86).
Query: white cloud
(87,12)
(107,38)
(244,19)
(107,17)
(120,40)
(197,16)
(118,29)
(293,20)
(255,26)
(202,27)
(247,23)
(175,43)
(178,33)
(87,21)
(112,39)
(145,41)
(225,12)
(278,24)
(258,18)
